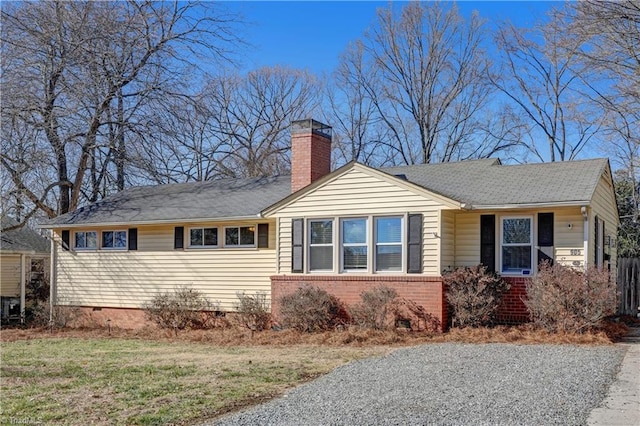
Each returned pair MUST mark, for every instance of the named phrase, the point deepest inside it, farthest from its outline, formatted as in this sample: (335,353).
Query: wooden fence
(628,285)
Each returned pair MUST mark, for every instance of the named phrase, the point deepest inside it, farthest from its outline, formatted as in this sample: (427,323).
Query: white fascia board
(149,222)
(528,205)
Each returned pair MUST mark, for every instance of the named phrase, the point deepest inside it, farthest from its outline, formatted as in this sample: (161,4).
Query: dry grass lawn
(152,377)
(140,382)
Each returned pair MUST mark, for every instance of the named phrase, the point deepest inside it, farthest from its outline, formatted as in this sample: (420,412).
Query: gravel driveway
(451,384)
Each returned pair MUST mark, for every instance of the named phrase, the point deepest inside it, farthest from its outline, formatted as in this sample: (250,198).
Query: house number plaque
(576,252)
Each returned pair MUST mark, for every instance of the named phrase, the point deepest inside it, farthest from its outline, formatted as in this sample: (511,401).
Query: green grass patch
(141,382)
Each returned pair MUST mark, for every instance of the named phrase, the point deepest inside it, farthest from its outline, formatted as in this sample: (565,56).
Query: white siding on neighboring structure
(9,275)
(128,279)
(357,193)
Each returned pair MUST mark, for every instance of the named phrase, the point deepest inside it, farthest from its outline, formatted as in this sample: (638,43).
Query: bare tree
(540,74)
(611,34)
(79,77)
(357,130)
(424,71)
(249,118)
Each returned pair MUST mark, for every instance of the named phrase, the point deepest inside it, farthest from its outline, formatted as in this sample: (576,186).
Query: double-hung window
(354,244)
(321,245)
(86,240)
(114,239)
(517,245)
(240,236)
(388,246)
(203,237)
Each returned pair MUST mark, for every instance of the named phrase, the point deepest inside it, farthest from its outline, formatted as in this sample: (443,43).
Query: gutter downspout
(23,279)
(52,277)
(585,215)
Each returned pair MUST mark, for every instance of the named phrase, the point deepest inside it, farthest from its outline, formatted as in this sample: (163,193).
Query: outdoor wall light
(569,225)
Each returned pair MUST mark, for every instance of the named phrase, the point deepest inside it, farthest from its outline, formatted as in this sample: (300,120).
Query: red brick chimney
(310,152)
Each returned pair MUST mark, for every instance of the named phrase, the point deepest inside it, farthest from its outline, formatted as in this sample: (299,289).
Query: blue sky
(312,34)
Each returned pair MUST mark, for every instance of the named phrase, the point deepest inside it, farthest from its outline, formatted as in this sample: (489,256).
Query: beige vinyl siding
(357,193)
(467,234)
(128,279)
(9,275)
(447,240)
(604,206)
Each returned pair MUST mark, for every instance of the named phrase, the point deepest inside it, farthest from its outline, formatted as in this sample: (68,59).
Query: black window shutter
(65,239)
(263,235)
(488,241)
(596,241)
(414,244)
(133,238)
(545,237)
(297,249)
(602,238)
(178,237)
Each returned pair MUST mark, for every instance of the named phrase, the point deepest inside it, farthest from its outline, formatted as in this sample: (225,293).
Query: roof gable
(346,169)
(23,240)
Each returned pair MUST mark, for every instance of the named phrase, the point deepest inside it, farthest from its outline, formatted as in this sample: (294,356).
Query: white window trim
(126,240)
(367,244)
(203,246)
(308,245)
(531,244)
(375,244)
(76,248)
(240,246)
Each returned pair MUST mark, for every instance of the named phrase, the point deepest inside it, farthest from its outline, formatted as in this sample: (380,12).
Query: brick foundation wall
(125,318)
(512,310)
(425,291)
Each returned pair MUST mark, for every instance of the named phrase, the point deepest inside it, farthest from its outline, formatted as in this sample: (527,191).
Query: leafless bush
(417,317)
(560,298)
(253,311)
(39,315)
(184,308)
(474,295)
(373,311)
(311,309)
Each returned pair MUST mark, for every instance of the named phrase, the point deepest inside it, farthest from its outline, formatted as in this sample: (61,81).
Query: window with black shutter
(263,235)
(414,244)
(488,241)
(178,237)
(297,251)
(545,237)
(66,236)
(133,238)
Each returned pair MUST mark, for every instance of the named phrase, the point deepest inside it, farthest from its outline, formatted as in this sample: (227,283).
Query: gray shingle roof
(490,183)
(21,239)
(476,183)
(217,199)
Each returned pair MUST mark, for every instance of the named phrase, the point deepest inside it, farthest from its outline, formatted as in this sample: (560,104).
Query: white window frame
(126,239)
(203,245)
(238,227)
(75,240)
(402,244)
(367,244)
(309,245)
(530,244)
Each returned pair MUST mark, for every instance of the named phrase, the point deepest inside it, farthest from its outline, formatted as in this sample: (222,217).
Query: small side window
(203,237)
(114,240)
(240,236)
(85,240)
